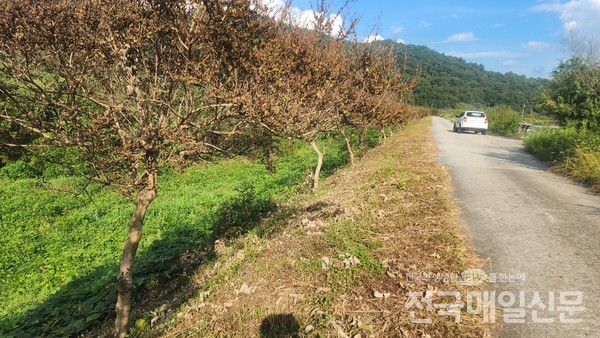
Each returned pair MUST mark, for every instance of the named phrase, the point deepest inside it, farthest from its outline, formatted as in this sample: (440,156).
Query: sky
(519,36)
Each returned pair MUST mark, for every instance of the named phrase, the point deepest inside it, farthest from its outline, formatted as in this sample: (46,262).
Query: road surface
(538,231)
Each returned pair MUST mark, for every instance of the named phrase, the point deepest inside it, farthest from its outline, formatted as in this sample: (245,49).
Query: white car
(471,121)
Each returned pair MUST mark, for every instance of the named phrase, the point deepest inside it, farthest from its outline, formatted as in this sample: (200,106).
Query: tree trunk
(384,135)
(361,139)
(319,165)
(125,280)
(348,145)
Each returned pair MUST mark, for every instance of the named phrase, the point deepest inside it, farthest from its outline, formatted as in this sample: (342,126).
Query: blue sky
(524,37)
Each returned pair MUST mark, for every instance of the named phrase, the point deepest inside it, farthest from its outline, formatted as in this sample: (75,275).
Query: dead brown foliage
(131,85)
(134,86)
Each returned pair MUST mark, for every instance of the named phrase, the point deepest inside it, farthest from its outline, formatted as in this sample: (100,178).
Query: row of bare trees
(137,85)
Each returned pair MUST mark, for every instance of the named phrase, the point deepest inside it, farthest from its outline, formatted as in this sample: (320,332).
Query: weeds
(552,145)
(573,153)
(58,247)
(583,165)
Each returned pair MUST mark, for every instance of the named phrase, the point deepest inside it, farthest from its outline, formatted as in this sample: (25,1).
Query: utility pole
(522,112)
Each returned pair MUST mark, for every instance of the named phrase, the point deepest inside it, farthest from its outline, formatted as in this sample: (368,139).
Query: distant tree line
(446,81)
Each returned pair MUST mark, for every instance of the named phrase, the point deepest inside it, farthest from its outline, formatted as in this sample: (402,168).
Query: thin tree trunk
(319,165)
(348,145)
(125,280)
(361,140)
(384,135)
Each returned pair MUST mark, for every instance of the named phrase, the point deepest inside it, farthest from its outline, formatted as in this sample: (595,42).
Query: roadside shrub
(450,116)
(502,120)
(574,153)
(552,145)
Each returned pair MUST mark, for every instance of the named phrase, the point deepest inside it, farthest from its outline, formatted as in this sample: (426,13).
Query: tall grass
(584,165)
(572,152)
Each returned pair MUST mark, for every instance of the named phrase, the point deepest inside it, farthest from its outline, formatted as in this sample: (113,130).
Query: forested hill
(446,81)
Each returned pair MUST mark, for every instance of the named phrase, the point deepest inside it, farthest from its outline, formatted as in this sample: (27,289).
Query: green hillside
(446,81)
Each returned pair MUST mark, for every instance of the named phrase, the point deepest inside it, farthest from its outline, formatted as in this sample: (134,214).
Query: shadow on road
(462,132)
(519,158)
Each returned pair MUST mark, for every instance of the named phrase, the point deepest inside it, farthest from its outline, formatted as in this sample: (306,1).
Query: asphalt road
(538,231)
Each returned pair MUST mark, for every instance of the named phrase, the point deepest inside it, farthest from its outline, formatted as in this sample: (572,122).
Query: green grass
(59,249)
(349,240)
(553,145)
(573,153)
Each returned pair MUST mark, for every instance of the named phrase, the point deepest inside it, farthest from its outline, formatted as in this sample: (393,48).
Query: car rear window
(471,114)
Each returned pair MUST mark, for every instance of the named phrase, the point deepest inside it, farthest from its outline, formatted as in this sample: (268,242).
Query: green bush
(552,145)
(45,163)
(372,137)
(503,121)
(241,213)
(18,170)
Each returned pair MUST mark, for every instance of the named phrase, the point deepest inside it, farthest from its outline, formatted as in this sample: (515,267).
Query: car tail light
(465,119)
(485,120)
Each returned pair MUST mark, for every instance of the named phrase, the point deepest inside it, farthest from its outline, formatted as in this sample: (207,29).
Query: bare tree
(587,49)
(131,85)
(296,89)
(379,92)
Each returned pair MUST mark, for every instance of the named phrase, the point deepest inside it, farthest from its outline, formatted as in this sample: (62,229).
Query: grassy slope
(339,262)
(59,251)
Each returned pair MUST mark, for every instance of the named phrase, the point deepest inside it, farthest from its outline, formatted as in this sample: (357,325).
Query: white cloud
(477,55)
(509,63)
(398,30)
(535,46)
(372,38)
(401,41)
(302,18)
(273,6)
(461,37)
(452,16)
(571,25)
(576,15)
(424,24)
